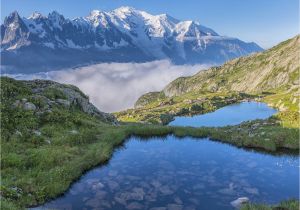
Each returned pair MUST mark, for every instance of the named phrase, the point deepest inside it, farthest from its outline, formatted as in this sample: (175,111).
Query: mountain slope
(51,135)
(273,76)
(266,71)
(124,34)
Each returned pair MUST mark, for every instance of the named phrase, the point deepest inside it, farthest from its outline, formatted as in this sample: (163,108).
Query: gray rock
(16,104)
(239,202)
(18,133)
(38,133)
(74,132)
(64,102)
(29,106)
(73,97)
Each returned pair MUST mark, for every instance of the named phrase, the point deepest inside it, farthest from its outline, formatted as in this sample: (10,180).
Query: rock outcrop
(47,94)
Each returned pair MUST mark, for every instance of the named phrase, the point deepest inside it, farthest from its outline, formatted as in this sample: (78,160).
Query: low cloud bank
(116,86)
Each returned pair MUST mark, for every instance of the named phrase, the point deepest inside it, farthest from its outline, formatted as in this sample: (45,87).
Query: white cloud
(116,86)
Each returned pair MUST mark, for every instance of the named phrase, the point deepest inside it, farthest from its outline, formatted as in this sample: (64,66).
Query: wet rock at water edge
(239,202)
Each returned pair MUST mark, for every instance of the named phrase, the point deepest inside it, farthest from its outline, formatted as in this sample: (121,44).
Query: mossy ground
(34,170)
(155,111)
(284,205)
(41,155)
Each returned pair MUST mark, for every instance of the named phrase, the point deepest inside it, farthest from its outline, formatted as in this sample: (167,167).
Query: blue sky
(266,22)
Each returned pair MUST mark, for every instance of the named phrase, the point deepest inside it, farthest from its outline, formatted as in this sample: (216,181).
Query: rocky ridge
(121,35)
(46,95)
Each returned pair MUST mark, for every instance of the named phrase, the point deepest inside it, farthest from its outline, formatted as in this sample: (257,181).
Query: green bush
(54,93)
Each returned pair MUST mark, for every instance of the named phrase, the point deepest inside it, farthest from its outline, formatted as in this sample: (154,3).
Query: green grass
(40,170)
(284,205)
(41,155)
(162,110)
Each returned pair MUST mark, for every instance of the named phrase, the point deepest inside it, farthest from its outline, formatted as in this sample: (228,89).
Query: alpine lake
(170,173)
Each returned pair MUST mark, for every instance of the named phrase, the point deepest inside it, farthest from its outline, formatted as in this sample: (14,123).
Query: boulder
(29,106)
(239,202)
(64,102)
(73,96)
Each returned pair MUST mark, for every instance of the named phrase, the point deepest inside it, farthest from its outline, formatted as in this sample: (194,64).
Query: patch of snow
(49,44)
(122,43)
(15,46)
(71,44)
(35,15)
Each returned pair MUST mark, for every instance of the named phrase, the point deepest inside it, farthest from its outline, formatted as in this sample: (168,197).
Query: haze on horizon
(114,87)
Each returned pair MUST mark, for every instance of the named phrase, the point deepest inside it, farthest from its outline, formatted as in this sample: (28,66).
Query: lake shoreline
(147,137)
(147,131)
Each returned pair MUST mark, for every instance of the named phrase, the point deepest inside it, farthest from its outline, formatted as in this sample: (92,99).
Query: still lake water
(229,115)
(182,173)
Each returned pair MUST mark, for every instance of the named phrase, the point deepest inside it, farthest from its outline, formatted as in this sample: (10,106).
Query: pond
(171,173)
(229,115)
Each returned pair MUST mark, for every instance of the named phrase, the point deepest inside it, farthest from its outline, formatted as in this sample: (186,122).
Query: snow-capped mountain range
(41,43)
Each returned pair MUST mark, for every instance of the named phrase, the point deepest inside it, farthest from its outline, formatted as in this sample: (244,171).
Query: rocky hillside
(271,70)
(273,76)
(122,35)
(43,102)
(266,71)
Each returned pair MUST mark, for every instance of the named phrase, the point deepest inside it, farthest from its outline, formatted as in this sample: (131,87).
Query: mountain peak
(94,13)
(124,34)
(14,14)
(13,17)
(55,15)
(35,15)
(126,9)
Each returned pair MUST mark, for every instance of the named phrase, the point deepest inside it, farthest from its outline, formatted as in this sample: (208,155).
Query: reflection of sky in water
(228,115)
(182,174)
(186,174)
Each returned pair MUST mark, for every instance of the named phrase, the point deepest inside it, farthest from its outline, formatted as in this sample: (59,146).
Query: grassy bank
(162,110)
(284,205)
(35,171)
(44,150)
